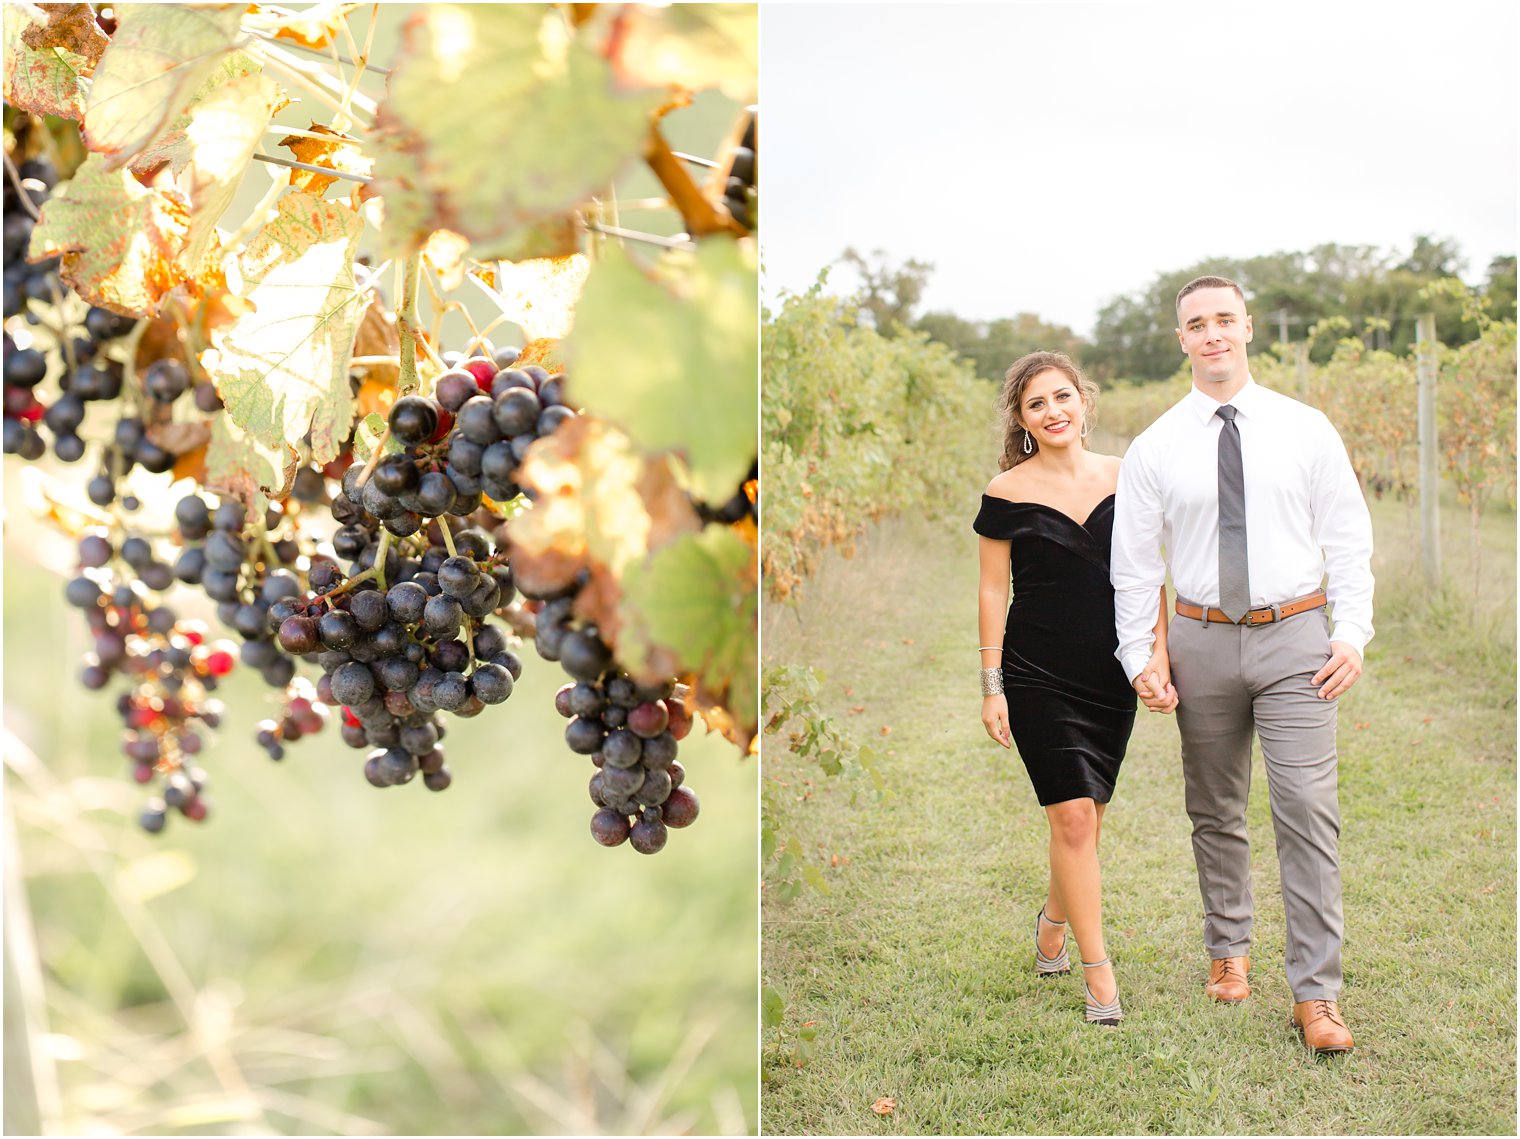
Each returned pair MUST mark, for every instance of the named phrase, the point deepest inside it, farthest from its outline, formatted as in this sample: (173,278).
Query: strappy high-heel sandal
(1060,964)
(1109,1014)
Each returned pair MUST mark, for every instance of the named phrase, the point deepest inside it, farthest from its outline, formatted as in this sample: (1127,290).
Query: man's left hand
(1340,671)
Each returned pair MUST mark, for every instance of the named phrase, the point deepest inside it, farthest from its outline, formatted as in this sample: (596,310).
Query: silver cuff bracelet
(992,682)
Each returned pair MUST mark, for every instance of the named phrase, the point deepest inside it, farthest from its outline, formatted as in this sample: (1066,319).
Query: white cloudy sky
(1049,157)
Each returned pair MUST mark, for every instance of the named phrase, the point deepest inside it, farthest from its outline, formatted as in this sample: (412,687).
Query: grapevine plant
(259,405)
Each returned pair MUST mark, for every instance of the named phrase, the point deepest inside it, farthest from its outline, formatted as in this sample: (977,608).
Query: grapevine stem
(279,61)
(646,238)
(26,199)
(366,575)
(406,321)
(379,566)
(327,170)
(275,128)
(292,46)
(64,340)
(448,538)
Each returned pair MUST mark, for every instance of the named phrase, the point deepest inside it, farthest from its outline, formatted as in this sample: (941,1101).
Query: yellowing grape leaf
(696,599)
(120,241)
(480,91)
(694,46)
(171,147)
(157,60)
(47,62)
(283,369)
(676,370)
(223,132)
(444,253)
(336,151)
(317,26)
(239,465)
(538,296)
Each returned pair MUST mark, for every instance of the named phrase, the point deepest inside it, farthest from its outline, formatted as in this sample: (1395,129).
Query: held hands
(1154,685)
(995,719)
(1340,672)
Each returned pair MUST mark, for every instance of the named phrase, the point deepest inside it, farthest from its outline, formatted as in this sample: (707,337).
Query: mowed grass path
(916,966)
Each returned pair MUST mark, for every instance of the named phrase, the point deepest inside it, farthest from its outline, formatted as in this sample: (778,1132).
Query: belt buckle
(1276,612)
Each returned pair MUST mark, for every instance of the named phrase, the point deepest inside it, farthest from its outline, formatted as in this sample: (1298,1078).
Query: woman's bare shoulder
(1007,485)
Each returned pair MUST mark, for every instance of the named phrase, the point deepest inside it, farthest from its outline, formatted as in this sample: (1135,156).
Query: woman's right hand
(995,719)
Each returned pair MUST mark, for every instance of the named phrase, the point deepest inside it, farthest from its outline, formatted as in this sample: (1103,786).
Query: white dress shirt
(1305,516)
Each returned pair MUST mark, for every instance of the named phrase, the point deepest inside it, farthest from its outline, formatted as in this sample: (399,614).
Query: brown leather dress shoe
(1322,1027)
(1227,980)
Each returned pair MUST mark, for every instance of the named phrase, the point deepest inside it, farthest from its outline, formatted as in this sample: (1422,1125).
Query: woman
(1051,676)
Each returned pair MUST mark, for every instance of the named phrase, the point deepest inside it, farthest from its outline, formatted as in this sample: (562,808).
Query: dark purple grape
(413,419)
(622,748)
(660,751)
(490,683)
(648,834)
(609,828)
(337,629)
(353,684)
(165,380)
(584,736)
(454,388)
(516,411)
(681,807)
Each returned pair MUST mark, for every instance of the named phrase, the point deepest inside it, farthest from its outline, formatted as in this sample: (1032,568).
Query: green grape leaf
(283,369)
(772,1007)
(693,599)
(157,61)
(239,465)
(47,64)
(480,91)
(119,239)
(676,370)
(367,433)
(694,46)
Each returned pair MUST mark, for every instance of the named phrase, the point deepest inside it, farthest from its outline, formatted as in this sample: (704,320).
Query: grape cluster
(497,414)
(245,584)
(305,714)
(629,730)
(168,663)
(394,658)
(24,281)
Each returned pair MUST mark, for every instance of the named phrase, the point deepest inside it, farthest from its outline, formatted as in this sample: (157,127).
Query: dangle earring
(1083,432)
(1028,442)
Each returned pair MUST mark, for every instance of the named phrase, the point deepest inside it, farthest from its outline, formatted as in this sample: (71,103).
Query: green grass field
(322,957)
(915,968)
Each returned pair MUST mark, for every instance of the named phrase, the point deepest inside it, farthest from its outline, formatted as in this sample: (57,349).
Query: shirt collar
(1204,406)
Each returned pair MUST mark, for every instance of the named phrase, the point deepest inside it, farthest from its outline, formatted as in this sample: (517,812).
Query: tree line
(1314,297)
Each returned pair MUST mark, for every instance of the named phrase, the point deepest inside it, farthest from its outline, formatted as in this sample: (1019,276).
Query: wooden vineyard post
(1430,485)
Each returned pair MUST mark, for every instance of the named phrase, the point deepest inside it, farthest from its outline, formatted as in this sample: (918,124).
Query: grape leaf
(317,26)
(676,371)
(538,296)
(480,90)
(284,367)
(695,599)
(337,151)
(47,63)
(157,60)
(120,240)
(171,147)
(239,465)
(223,131)
(694,46)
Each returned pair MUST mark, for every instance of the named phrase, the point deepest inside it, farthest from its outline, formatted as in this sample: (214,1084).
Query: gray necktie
(1234,590)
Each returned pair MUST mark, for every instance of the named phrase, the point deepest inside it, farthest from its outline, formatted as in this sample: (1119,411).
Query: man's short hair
(1209,283)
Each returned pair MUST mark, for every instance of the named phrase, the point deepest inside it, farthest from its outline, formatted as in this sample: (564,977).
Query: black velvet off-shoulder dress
(1070,707)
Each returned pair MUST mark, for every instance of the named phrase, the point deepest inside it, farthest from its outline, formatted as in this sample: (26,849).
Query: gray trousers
(1230,680)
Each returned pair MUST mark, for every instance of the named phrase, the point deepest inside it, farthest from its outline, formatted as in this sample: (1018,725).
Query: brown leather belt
(1263,616)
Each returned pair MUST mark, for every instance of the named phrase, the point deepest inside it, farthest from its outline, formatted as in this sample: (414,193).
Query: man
(1254,499)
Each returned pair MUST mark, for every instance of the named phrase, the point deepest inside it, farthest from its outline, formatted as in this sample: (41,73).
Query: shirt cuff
(1134,662)
(1353,635)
